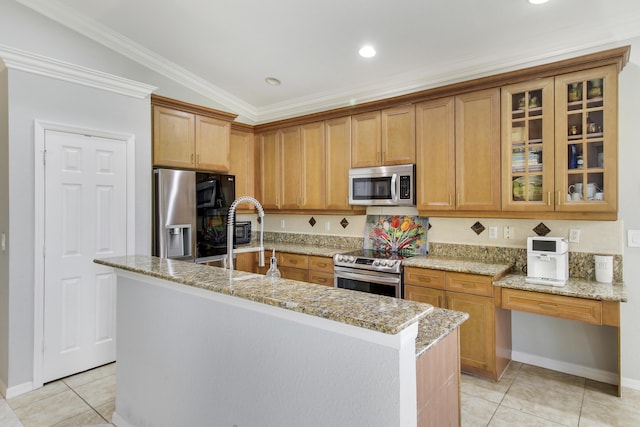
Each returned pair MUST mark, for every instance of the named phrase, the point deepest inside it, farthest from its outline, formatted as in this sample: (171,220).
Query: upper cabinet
(190,137)
(528,146)
(587,140)
(241,164)
(559,143)
(338,162)
(293,167)
(458,146)
(384,137)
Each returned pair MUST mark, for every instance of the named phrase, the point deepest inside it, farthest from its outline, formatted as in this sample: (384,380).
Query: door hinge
(44,157)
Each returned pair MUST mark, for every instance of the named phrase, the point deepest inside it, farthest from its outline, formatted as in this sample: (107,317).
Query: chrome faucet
(231,231)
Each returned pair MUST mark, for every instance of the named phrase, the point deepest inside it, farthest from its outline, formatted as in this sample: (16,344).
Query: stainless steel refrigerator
(174,214)
(190,214)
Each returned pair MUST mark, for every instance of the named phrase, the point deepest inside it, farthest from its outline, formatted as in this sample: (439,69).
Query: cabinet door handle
(547,306)
(468,285)
(450,198)
(548,198)
(559,201)
(198,159)
(191,158)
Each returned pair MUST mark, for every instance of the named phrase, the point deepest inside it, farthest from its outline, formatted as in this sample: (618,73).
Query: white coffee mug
(577,188)
(599,196)
(591,190)
(576,196)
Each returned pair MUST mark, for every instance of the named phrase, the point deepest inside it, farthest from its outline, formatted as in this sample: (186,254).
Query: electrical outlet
(574,235)
(508,232)
(282,224)
(493,232)
(327,226)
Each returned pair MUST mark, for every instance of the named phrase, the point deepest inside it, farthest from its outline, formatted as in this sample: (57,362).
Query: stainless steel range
(366,270)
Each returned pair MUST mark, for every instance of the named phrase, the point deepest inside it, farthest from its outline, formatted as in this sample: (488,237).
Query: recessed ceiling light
(367,51)
(538,1)
(272,81)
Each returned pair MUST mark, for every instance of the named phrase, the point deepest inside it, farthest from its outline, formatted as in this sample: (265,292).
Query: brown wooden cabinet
(587,140)
(528,146)
(458,153)
(270,170)
(188,140)
(321,270)
(241,165)
(293,167)
(485,338)
(338,163)
(384,137)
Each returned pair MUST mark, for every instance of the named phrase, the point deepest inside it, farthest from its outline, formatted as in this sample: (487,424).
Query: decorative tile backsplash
(581,264)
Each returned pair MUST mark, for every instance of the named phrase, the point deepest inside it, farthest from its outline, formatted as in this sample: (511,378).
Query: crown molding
(41,65)
(138,53)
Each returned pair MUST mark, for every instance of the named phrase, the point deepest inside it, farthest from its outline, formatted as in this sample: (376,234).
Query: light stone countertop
(369,311)
(580,288)
(435,326)
(458,265)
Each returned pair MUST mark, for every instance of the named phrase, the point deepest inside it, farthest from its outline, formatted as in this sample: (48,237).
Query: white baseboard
(631,383)
(119,421)
(566,367)
(9,392)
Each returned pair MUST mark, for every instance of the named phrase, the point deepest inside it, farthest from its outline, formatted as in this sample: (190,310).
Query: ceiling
(224,49)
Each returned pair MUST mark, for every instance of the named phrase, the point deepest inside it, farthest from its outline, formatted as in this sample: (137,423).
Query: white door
(85,218)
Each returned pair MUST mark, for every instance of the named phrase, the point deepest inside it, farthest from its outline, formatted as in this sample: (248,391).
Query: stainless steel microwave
(383,186)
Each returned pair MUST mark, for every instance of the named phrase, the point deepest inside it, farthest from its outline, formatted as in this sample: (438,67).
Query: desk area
(580,299)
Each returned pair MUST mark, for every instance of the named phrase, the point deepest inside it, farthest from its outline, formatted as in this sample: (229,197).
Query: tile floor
(525,396)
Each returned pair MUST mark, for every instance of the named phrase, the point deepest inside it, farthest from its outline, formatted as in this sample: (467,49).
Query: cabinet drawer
(469,284)
(294,273)
(435,297)
(424,277)
(584,310)
(321,278)
(294,260)
(320,263)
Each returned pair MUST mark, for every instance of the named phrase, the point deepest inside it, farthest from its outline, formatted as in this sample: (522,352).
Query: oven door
(388,284)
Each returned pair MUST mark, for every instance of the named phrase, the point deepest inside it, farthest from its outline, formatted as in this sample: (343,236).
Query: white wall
(213,359)
(4,228)
(629,158)
(30,98)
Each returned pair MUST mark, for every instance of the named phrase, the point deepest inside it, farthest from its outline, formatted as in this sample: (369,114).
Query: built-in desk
(582,300)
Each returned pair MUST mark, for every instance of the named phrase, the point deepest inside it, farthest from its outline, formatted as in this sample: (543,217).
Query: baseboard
(9,392)
(568,368)
(119,421)
(631,383)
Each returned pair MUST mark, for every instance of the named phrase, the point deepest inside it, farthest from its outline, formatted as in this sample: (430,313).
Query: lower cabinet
(321,270)
(485,338)
(305,268)
(438,384)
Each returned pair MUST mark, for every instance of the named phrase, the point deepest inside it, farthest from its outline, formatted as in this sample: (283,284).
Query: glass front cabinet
(528,146)
(560,143)
(586,140)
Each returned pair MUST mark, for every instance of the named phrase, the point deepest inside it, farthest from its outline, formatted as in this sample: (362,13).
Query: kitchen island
(200,345)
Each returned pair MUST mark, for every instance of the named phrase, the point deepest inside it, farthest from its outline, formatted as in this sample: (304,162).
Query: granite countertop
(374,312)
(458,265)
(435,326)
(580,288)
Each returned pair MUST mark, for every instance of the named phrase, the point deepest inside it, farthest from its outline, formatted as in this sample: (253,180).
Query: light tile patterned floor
(531,396)
(525,396)
(86,399)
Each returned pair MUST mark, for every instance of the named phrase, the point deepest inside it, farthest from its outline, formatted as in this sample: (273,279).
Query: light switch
(633,238)
(4,242)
